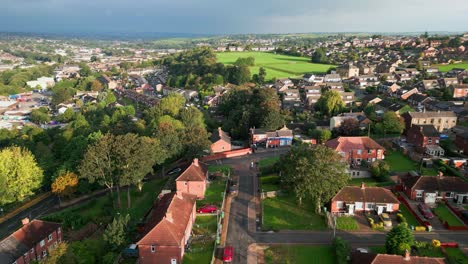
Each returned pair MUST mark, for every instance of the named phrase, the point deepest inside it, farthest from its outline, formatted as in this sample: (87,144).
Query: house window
(44,253)
(42,243)
(419,194)
(370,206)
(55,243)
(357,173)
(339,205)
(449,195)
(153,248)
(429,140)
(369,151)
(359,152)
(173,261)
(50,237)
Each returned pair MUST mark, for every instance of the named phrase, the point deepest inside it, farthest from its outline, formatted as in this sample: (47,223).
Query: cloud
(231,16)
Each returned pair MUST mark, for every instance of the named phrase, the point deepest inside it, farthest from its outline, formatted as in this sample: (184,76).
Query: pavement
(242,231)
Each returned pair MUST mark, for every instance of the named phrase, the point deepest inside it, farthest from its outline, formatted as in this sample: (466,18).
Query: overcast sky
(232,16)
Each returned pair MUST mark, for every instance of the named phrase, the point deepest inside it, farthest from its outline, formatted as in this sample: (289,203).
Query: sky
(232,16)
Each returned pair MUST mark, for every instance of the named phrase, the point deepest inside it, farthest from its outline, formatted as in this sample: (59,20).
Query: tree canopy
(330,103)
(399,239)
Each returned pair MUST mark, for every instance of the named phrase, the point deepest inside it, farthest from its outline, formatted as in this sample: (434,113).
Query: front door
(380,209)
(351,209)
(430,198)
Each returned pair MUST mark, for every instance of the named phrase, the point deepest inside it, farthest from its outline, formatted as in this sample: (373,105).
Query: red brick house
(356,149)
(352,199)
(426,139)
(193,180)
(32,242)
(433,189)
(372,258)
(461,141)
(220,141)
(460,91)
(168,229)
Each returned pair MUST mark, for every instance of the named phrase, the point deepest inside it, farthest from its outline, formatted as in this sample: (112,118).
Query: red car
(207,209)
(227,254)
(425,211)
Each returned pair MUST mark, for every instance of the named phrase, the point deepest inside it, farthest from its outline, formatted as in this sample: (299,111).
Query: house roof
(432,184)
(219,134)
(372,258)
(418,98)
(347,144)
(428,130)
(429,114)
(25,238)
(168,220)
(365,194)
(194,172)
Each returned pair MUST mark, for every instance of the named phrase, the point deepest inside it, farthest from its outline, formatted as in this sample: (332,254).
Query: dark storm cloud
(229,16)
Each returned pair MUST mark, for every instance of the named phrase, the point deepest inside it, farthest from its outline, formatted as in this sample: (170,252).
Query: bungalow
(32,242)
(353,199)
(372,258)
(432,189)
(332,78)
(168,229)
(193,180)
(220,141)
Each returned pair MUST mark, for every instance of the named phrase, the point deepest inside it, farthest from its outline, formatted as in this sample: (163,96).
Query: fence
(219,227)
(228,154)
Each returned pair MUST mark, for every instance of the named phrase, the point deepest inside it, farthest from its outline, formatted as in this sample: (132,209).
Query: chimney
(25,221)
(407,256)
(195,162)
(363,186)
(168,216)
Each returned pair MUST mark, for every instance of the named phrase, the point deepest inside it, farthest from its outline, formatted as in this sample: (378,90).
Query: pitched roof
(219,134)
(23,239)
(418,98)
(194,172)
(429,114)
(366,194)
(346,144)
(371,258)
(168,220)
(428,130)
(431,184)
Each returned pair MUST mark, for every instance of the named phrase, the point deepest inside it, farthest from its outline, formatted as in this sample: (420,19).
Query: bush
(420,228)
(342,250)
(401,218)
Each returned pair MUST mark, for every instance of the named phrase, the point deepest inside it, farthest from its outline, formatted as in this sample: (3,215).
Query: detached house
(32,242)
(220,141)
(168,229)
(353,199)
(431,189)
(193,180)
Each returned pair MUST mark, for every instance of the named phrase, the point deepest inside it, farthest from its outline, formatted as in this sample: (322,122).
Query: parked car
(174,171)
(425,211)
(465,215)
(227,254)
(386,219)
(207,209)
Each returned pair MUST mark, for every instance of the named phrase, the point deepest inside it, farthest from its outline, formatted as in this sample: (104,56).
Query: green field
(448,67)
(300,254)
(277,66)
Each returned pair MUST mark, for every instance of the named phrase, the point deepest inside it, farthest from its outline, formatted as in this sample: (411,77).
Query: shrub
(435,243)
(420,228)
(342,250)
(401,218)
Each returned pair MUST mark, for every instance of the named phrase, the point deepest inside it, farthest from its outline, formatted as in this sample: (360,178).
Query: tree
(391,123)
(60,96)
(84,71)
(313,173)
(60,254)
(380,169)
(342,250)
(273,120)
(172,104)
(325,135)
(96,86)
(261,75)
(67,116)
(419,66)
(398,239)
(115,233)
(330,103)
(319,56)
(455,42)
(40,115)
(65,185)
(239,74)
(349,127)
(20,175)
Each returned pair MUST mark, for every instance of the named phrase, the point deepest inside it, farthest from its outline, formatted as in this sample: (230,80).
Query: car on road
(386,219)
(227,254)
(425,211)
(174,171)
(207,209)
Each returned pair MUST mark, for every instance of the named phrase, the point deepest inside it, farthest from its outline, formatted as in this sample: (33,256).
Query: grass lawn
(300,254)
(266,162)
(226,169)
(283,213)
(202,247)
(214,193)
(444,214)
(102,210)
(401,163)
(457,255)
(410,219)
(371,182)
(346,223)
(270,182)
(448,67)
(276,65)
(466,207)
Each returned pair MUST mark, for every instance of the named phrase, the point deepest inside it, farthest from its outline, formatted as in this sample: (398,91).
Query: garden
(300,254)
(408,217)
(445,215)
(400,163)
(284,213)
(203,239)
(346,223)
(214,192)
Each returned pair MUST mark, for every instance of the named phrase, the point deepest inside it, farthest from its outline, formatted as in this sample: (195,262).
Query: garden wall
(421,221)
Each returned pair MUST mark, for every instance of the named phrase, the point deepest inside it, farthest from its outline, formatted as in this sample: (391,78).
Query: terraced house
(441,120)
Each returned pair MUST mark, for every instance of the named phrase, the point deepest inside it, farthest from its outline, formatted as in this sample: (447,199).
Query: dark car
(425,211)
(174,171)
(465,215)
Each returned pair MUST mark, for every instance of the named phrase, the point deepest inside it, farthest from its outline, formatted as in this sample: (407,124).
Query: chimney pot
(25,221)
(407,255)
(195,162)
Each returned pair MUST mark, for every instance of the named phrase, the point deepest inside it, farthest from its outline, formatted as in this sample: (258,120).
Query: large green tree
(391,124)
(400,238)
(319,56)
(316,173)
(20,176)
(116,232)
(330,103)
